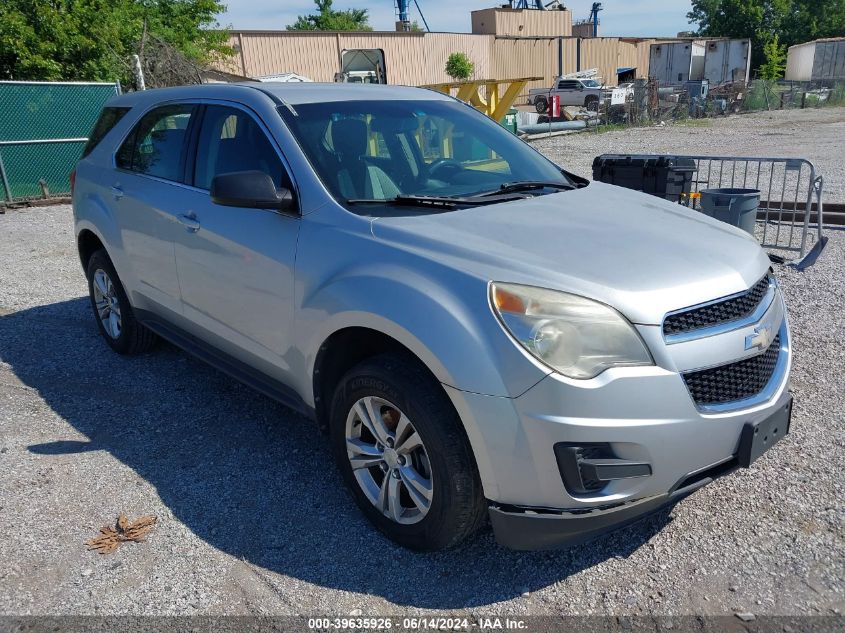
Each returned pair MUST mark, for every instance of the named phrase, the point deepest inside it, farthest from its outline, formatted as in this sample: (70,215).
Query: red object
(72,181)
(555,107)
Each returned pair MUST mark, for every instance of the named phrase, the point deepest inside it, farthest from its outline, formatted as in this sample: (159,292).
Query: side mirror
(250,189)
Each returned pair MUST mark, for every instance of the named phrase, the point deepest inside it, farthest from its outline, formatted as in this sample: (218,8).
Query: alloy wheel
(107,303)
(389,460)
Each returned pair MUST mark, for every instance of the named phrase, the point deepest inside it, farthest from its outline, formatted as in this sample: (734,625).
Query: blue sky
(619,17)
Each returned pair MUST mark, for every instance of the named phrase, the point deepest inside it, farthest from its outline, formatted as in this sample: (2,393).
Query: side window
(156,144)
(109,117)
(231,140)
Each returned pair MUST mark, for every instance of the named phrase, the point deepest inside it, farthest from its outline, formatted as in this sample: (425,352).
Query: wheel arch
(343,350)
(88,243)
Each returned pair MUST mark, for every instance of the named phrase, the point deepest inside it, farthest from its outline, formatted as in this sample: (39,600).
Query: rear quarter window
(109,117)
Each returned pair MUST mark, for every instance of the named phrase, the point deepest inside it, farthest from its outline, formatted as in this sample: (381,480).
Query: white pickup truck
(573,92)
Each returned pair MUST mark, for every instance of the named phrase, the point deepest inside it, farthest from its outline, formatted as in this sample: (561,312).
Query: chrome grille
(735,381)
(719,312)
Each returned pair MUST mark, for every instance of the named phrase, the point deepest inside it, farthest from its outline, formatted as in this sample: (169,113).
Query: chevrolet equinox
(482,335)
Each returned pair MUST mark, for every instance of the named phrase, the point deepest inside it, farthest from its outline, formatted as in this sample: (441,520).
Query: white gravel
(817,135)
(253,518)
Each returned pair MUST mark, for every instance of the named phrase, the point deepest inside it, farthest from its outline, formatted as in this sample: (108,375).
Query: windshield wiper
(526,185)
(438,202)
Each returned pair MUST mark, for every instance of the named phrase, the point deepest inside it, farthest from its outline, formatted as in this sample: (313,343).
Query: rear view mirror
(250,189)
(394,125)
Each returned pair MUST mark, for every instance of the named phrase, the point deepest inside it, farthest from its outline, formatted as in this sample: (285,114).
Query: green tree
(93,40)
(328,19)
(459,66)
(775,64)
(792,21)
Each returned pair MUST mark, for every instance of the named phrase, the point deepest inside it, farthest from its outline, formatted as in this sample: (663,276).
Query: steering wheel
(447,165)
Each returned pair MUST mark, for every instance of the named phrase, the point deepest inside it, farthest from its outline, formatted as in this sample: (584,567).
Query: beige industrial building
(505,44)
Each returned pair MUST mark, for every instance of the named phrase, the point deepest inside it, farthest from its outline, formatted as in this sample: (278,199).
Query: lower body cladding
(569,460)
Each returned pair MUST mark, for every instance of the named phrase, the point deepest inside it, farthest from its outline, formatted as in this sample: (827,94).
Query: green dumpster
(510,121)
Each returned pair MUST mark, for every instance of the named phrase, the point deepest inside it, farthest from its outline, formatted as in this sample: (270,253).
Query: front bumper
(532,531)
(642,415)
(523,529)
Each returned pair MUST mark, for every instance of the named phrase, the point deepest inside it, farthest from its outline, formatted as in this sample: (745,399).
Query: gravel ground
(817,135)
(253,518)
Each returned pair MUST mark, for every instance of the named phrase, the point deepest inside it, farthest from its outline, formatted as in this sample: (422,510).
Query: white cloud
(619,17)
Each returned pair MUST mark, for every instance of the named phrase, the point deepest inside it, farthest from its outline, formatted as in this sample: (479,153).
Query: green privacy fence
(43,128)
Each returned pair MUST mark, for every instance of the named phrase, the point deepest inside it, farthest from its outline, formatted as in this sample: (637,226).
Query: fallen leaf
(110,537)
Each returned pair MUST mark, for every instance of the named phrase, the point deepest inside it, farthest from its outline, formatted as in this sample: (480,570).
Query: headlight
(577,337)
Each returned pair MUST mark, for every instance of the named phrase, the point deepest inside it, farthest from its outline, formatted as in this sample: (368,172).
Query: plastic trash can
(734,206)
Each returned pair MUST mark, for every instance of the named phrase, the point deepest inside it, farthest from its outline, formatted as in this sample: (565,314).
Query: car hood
(638,253)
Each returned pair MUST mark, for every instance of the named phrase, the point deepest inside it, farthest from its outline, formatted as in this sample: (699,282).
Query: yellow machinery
(495,102)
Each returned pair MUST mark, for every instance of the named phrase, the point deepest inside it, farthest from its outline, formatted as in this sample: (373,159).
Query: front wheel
(403,455)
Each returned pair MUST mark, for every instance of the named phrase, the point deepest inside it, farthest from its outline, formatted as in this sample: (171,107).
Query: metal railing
(790,192)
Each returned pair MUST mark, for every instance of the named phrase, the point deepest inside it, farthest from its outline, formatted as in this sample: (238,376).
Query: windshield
(378,150)
(591,83)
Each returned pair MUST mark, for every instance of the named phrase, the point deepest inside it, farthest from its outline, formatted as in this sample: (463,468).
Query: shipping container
(829,61)
(726,61)
(820,60)
(718,61)
(799,62)
(676,63)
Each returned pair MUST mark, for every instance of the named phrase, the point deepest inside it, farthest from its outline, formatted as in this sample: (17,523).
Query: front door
(236,265)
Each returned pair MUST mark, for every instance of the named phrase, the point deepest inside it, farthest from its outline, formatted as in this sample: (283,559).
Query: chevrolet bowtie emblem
(762,337)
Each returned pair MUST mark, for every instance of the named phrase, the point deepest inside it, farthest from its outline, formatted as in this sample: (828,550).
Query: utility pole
(139,72)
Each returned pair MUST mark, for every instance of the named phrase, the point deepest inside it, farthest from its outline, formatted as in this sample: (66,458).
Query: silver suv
(480,333)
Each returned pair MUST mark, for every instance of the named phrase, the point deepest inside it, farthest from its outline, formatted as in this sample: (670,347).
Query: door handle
(190,223)
(117,192)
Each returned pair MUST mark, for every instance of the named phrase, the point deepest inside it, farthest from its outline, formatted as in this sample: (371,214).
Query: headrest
(349,138)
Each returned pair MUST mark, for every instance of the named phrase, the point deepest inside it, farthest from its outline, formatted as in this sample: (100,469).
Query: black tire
(592,103)
(458,509)
(134,338)
(541,105)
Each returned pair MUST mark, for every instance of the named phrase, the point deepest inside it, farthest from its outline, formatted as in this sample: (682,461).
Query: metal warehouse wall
(410,58)
(609,53)
(420,58)
(314,55)
(536,57)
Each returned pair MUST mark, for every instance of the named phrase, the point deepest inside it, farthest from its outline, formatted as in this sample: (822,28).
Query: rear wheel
(403,454)
(592,103)
(115,318)
(541,105)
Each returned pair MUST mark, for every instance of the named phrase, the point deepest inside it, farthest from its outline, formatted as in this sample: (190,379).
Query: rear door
(236,265)
(149,198)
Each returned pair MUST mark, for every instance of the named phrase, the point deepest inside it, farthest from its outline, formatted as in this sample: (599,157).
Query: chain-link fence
(649,101)
(43,128)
